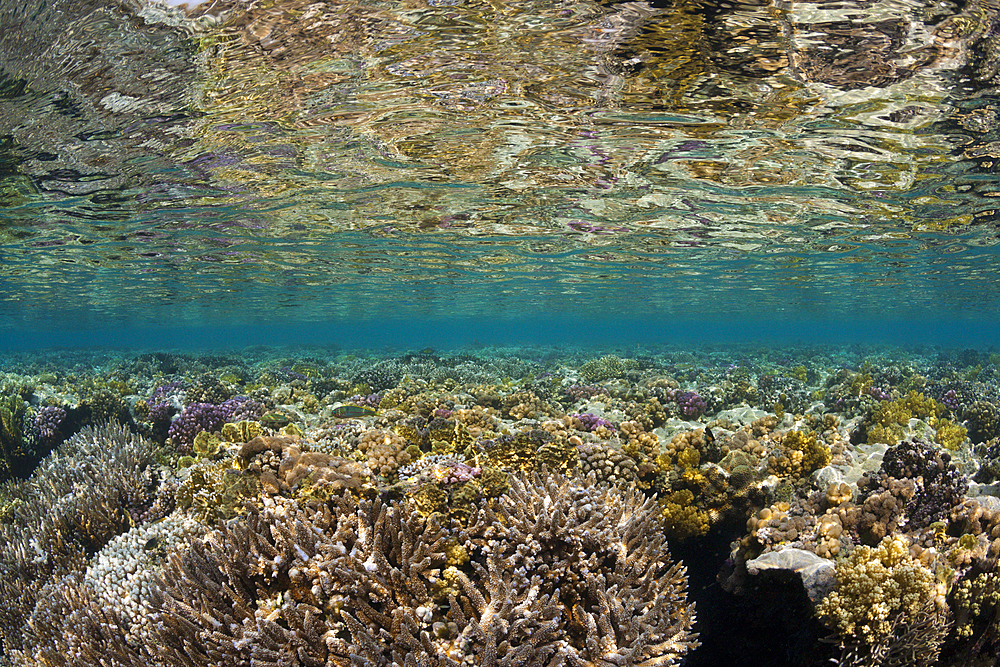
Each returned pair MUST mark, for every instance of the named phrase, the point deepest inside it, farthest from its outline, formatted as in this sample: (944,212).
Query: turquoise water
(380,165)
(742,251)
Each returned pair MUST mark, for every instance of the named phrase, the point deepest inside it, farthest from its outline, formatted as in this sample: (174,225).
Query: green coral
(950,435)
(859,384)
(528,451)
(875,587)
(7,508)
(889,418)
(815,454)
(606,368)
(241,431)
(106,404)
(206,445)
(411,434)
(682,518)
(12,453)
(430,499)
(977,601)
(215,491)
(558,456)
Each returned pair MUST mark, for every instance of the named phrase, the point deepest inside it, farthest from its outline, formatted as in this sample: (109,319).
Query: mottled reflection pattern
(473,156)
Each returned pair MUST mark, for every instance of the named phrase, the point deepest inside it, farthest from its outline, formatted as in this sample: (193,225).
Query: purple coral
(442,469)
(160,413)
(47,421)
(878,393)
(198,417)
(239,408)
(195,418)
(591,423)
(370,401)
(461,472)
(166,390)
(950,400)
(690,404)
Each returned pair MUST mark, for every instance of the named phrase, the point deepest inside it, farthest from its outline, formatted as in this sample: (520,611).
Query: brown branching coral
(296,585)
(601,555)
(559,572)
(77,499)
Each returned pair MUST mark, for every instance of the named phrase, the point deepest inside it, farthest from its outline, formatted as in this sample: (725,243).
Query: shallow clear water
(498,210)
(675,165)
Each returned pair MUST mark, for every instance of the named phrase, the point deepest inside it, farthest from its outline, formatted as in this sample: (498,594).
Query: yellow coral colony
(875,587)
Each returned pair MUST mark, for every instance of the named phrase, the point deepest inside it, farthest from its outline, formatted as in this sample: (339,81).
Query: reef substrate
(500,506)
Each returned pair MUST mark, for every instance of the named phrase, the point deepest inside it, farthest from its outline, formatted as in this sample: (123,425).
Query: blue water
(421,179)
(445,334)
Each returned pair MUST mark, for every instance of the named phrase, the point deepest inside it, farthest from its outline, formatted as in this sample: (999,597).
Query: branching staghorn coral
(601,556)
(78,499)
(293,585)
(559,572)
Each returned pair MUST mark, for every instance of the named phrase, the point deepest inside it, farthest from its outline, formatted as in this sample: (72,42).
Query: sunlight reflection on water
(822,156)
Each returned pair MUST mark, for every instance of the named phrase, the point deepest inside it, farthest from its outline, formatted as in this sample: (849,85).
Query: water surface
(345,162)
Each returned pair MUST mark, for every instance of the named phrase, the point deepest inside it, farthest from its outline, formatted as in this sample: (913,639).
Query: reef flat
(500,506)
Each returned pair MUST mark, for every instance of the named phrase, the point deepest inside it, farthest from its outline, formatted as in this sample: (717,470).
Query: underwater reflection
(237,137)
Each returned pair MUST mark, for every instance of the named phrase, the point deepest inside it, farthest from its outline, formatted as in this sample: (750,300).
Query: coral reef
(499,508)
(983,421)
(79,498)
(916,484)
(13,456)
(553,572)
(888,605)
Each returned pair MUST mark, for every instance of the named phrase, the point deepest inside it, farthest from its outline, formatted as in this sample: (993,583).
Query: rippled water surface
(330,160)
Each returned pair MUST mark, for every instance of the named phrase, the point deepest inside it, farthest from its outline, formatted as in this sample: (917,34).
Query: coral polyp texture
(524,506)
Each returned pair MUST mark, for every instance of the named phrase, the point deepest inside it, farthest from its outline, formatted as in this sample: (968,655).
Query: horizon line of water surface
(456,334)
